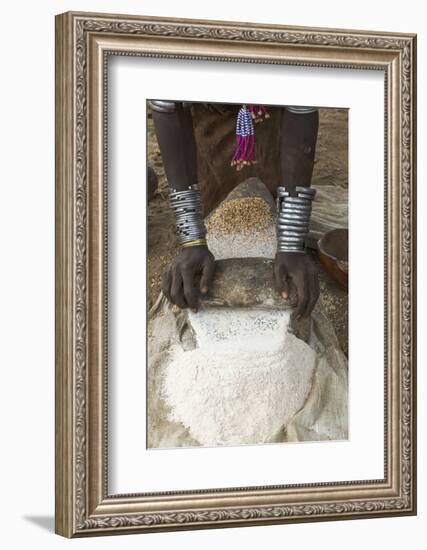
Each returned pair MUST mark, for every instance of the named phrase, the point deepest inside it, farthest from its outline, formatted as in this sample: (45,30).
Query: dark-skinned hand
(179,282)
(297,269)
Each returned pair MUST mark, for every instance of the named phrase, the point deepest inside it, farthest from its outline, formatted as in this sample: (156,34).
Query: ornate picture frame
(84,42)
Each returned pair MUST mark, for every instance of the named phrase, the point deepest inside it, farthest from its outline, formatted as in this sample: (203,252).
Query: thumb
(207,275)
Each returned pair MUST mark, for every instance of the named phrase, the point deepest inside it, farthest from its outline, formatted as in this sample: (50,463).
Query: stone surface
(244,283)
(241,371)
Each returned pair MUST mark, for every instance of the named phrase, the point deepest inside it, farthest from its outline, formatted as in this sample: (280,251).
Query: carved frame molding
(83,43)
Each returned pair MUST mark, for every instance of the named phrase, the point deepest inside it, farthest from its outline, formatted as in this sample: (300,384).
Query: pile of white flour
(245,380)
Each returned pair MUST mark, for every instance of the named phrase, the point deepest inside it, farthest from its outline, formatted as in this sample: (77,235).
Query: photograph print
(247,274)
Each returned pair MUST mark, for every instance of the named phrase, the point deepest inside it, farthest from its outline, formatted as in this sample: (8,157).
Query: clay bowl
(333,255)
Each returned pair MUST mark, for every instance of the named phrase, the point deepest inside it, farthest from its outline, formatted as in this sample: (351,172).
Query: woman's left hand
(299,269)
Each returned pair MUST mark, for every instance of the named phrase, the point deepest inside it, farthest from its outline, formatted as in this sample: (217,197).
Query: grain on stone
(244,215)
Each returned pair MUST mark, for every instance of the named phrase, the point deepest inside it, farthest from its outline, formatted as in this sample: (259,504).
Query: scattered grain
(243,215)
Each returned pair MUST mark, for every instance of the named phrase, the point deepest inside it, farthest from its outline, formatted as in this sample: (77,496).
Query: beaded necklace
(247,117)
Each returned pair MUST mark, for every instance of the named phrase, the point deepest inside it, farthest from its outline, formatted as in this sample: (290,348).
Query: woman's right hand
(179,282)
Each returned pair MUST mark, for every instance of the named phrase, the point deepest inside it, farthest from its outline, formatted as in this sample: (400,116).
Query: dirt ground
(331,168)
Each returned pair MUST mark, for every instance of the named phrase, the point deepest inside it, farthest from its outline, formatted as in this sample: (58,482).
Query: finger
(167,283)
(285,288)
(207,275)
(281,280)
(314,292)
(302,291)
(190,293)
(177,293)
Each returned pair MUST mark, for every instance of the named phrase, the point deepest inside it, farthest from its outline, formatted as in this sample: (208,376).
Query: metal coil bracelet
(187,207)
(293,218)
